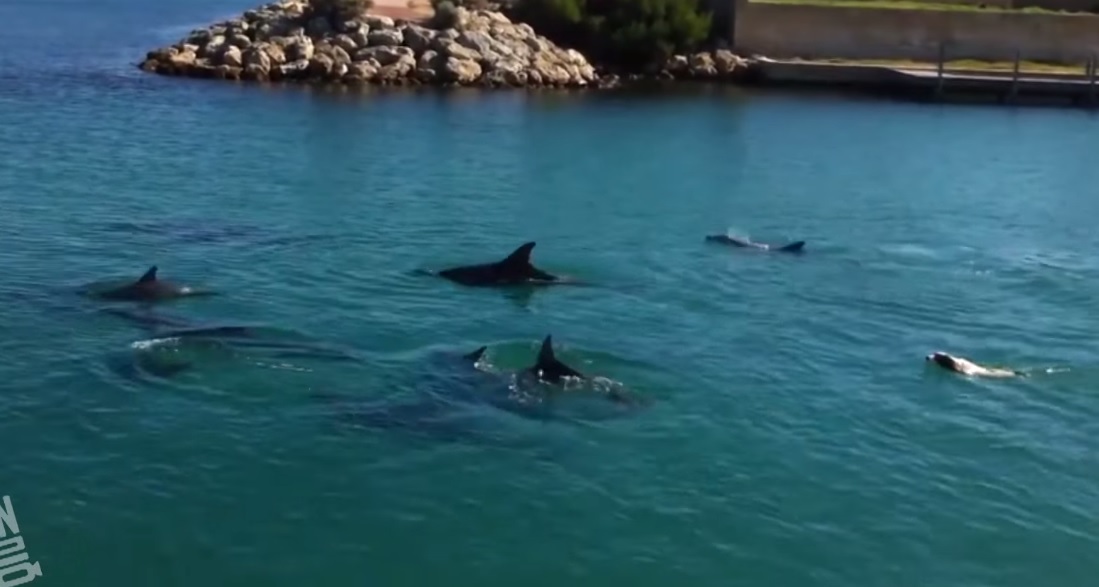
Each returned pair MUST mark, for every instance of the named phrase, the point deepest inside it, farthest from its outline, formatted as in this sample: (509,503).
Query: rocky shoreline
(283,42)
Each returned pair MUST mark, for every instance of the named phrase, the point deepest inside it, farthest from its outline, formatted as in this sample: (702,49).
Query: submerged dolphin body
(425,421)
(148,288)
(794,247)
(515,269)
(174,345)
(441,412)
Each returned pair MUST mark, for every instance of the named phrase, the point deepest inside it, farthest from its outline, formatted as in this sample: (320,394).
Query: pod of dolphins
(514,270)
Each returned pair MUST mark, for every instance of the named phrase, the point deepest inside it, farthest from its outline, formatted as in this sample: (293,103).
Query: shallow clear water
(795,435)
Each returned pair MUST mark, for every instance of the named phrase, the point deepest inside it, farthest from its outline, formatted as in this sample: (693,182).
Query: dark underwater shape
(794,247)
(174,345)
(516,269)
(442,410)
(148,288)
(435,422)
(434,418)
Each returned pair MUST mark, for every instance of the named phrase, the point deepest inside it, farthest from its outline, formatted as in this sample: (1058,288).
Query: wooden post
(942,64)
(1091,79)
(1015,78)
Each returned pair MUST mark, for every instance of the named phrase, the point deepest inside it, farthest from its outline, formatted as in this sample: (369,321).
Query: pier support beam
(942,63)
(1091,80)
(1014,91)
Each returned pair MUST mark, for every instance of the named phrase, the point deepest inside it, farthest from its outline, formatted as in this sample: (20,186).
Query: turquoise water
(794,435)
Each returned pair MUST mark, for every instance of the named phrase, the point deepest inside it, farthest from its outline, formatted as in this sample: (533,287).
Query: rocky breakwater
(720,65)
(285,42)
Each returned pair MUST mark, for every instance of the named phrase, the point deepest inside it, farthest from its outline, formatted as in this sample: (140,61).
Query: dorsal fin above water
(520,257)
(548,367)
(545,355)
(149,277)
(476,355)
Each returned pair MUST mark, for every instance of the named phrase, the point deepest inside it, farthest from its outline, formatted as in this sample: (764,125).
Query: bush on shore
(339,10)
(446,14)
(625,33)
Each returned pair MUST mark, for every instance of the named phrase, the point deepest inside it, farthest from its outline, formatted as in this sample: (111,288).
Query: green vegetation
(446,14)
(913,5)
(339,10)
(626,33)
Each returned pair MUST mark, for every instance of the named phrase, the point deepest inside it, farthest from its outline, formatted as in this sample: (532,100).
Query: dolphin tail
(794,247)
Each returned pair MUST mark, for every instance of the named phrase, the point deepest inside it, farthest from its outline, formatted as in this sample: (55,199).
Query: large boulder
(257,58)
(346,42)
(385,38)
(361,72)
(462,71)
(232,56)
(429,65)
(300,48)
(452,48)
(702,65)
(385,55)
(240,41)
(376,22)
(417,38)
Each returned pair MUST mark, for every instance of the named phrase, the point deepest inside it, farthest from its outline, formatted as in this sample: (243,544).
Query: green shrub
(446,14)
(339,10)
(627,33)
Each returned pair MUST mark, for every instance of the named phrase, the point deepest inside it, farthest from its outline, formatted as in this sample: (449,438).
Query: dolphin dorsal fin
(545,355)
(149,277)
(476,355)
(519,257)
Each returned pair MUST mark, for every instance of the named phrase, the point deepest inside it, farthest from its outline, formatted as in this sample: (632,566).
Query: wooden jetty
(937,83)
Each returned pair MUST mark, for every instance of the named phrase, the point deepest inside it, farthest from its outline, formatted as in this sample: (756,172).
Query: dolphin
(794,247)
(516,269)
(476,355)
(422,421)
(148,289)
(175,345)
(548,368)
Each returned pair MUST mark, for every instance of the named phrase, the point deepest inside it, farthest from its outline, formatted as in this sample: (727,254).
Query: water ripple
(796,435)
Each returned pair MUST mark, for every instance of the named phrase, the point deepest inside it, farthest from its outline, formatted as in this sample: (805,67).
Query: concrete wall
(1067,5)
(1055,5)
(821,32)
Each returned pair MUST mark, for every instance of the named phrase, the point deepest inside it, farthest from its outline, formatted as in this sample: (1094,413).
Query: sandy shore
(415,10)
